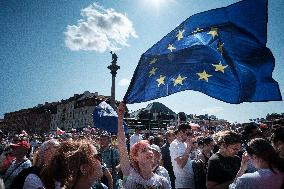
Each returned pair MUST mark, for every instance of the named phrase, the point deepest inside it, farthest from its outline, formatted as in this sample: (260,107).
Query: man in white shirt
(136,137)
(180,150)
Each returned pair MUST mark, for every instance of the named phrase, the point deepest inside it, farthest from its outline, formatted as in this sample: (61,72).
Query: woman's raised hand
(245,159)
(121,110)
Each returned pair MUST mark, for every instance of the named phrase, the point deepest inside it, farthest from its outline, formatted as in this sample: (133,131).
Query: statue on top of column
(114,57)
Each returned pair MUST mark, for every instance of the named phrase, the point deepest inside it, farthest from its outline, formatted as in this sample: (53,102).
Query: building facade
(75,112)
(32,120)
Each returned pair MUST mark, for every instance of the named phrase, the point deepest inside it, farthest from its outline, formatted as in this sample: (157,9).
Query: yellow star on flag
(171,47)
(197,31)
(161,80)
(179,80)
(152,72)
(203,75)
(220,47)
(219,67)
(180,35)
(213,32)
(153,61)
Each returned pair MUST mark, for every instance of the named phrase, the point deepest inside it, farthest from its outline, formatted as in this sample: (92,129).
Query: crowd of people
(180,158)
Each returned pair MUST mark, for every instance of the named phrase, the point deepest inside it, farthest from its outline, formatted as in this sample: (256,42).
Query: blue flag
(105,118)
(221,53)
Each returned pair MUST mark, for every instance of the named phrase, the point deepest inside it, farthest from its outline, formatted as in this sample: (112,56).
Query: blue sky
(53,49)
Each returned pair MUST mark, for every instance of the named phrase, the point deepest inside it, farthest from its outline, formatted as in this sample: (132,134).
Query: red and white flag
(23,132)
(59,131)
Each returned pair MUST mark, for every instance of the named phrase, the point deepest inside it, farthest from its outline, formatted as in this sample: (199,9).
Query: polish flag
(23,132)
(59,131)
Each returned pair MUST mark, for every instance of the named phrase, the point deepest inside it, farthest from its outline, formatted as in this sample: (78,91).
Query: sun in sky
(156,4)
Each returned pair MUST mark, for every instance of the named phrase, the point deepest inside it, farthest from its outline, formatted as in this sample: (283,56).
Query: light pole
(113,70)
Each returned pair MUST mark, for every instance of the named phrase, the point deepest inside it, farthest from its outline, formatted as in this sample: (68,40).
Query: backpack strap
(6,177)
(112,164)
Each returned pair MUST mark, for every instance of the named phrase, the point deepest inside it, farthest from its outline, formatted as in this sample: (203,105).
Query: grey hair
(43,147)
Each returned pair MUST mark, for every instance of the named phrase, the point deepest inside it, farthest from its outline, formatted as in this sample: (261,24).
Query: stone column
(113,70)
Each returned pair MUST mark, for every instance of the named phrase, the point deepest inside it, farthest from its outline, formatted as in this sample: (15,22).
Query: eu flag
(221,53)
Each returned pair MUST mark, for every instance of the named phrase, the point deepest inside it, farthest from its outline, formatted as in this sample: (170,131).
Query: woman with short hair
(137,170)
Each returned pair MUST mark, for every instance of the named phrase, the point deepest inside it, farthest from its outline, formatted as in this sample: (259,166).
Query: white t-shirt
(161,171)
(134,180)
(184,176)
(134,139)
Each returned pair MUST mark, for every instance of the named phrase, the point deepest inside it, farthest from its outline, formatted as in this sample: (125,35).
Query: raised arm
(244,165)
(124,157)
(182,160)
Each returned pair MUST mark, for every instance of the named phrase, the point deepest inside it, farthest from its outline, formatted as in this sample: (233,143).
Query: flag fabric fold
(221,53)
(105,117)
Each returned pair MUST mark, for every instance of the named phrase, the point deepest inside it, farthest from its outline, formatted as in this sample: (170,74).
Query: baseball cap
(22,143)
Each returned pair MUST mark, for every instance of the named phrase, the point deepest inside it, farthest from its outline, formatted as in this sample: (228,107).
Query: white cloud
(213,110)
(100,30)
(124,82)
